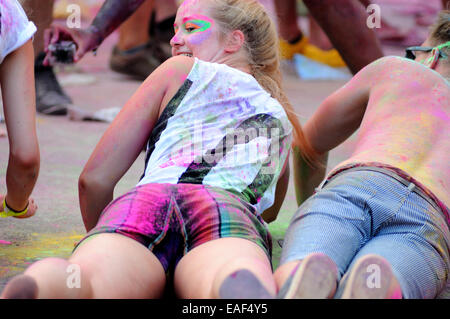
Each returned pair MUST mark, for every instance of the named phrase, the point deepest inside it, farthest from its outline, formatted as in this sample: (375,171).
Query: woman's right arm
(125,138)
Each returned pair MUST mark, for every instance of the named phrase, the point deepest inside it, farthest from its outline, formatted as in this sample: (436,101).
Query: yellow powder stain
(19,255)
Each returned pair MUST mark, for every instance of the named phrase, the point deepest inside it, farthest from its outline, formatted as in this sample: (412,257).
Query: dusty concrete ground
(66,145)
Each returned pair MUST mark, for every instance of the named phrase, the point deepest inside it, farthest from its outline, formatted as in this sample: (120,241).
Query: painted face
(196,33)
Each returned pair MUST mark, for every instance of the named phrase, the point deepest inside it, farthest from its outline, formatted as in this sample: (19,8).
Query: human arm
(336,119)
(17,84)
(307,177)
(125,138)
(270,214)
(112,14)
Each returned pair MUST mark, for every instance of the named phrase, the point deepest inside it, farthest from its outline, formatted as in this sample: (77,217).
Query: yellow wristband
(9,212)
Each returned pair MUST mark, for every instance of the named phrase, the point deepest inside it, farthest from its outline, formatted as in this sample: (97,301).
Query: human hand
(84,39)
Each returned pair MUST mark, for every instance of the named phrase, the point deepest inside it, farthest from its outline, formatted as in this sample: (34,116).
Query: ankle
(292,36)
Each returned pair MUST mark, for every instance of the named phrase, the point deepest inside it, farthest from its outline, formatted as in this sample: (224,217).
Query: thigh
(200,272)
(415,241)
(119,267)
(330,222)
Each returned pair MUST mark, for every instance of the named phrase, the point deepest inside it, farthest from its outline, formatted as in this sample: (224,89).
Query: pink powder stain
(397,294)
(4,242)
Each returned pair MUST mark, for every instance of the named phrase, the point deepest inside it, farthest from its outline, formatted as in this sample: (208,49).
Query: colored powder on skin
(4,242)
(203,30)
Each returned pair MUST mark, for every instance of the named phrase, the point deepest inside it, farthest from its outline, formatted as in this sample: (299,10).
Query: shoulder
(177,65)
(394,64)
(385,69)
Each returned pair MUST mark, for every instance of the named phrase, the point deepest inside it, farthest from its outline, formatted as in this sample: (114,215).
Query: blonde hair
(261,44)
(440,31)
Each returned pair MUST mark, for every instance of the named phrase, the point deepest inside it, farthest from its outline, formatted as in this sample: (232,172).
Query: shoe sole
(360,284)
(53,110)
(315,278)
(243,284)
(21,287)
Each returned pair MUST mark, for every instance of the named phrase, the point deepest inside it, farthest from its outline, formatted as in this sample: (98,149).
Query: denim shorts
(360,212)
(172,219)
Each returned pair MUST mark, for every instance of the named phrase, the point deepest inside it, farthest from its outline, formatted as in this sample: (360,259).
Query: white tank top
(224,130)
(15,29)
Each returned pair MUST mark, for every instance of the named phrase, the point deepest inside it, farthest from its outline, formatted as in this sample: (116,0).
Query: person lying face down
(388,203)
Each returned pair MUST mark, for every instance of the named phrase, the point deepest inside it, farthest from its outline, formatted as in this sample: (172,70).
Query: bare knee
(58,278)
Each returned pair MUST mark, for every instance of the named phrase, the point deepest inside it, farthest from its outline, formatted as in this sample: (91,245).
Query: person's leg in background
(446,4)
(140,49)
(50,97)
(344,22)
(293,40)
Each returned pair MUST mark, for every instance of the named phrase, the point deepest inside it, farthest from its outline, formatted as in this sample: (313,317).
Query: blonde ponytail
(261,44)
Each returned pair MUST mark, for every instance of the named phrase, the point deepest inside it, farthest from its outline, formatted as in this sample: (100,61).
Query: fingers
(51,36)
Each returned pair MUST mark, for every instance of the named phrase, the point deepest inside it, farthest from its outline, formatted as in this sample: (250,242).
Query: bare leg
(137,53)
(165,9)
(344,21)
(202,271)
(110,266)
(134,31)
(317,37)
(287,19)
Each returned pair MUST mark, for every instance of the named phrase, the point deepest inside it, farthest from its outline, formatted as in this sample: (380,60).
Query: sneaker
(358,284)
(243,284)
(138,62)
(302,46)
(314,278)
(50,97)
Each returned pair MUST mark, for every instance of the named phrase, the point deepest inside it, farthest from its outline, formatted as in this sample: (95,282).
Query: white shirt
(15,28)
(216,100)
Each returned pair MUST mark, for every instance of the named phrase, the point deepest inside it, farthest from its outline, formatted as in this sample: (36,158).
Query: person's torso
(220,129)
(407,125)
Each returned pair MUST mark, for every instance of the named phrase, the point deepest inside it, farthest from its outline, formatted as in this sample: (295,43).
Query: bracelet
(9,212)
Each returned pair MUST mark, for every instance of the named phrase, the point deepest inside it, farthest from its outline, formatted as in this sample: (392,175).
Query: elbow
(270,215)
(270,219)
(88,182)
